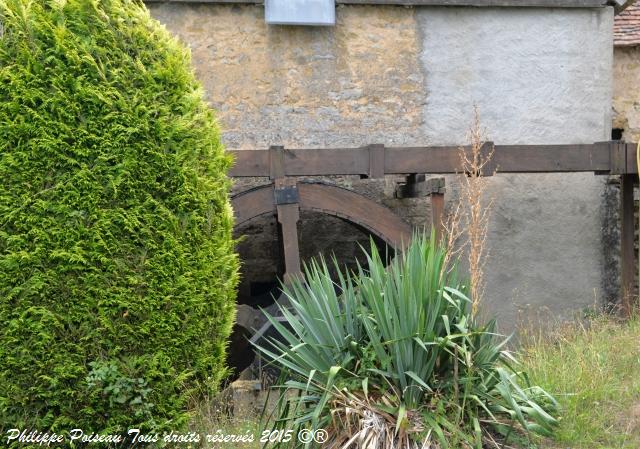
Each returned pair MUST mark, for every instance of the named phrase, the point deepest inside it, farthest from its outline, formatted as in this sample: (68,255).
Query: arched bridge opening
(282,225)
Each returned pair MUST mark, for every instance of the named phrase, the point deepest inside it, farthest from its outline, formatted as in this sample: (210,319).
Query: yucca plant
(389,357)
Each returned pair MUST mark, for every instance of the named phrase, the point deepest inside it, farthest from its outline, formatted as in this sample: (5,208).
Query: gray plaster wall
(411,76)
(538,76)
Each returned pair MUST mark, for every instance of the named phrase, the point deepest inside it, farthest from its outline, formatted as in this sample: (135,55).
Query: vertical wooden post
(287,207)
(436,189)
(376,161)
(276,162)
(288,217)
(437,213)
(627,231)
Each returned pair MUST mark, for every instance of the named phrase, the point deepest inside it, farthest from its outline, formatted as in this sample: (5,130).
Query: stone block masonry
(626,92)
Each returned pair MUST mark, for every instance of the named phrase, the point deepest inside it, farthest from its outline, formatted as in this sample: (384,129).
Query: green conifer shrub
(117,266)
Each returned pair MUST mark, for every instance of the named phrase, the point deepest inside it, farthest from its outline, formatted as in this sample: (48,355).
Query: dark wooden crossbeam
(378,160)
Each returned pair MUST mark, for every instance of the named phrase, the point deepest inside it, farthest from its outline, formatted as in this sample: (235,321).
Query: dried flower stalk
(470,218)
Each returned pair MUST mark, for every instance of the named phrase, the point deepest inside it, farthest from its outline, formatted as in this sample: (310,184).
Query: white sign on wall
(300,12)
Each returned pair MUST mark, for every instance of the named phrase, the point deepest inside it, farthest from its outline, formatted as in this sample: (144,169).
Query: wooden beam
(437,214)
(253,203)
(632,164)
(357,209)
(627,231)
(313,162)
(594,157)
(376,161)
(552,158)
(506,158)
(276,162)
(249,163)
(288,217)
(618,158)
(288,211)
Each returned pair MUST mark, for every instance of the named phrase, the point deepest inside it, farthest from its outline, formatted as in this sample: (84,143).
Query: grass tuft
(593,370)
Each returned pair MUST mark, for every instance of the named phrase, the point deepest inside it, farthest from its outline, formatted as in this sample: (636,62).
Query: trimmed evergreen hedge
(117,266)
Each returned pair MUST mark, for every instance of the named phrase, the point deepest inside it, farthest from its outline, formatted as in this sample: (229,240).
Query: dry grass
(216,416)
(360,422)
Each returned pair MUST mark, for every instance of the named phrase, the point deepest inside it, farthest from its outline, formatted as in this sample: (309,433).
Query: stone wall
(306,86)
(626,92)
(411,76)
(626,102)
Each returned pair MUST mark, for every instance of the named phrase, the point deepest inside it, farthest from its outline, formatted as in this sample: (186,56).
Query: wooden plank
(249,163)
(507,159)
(376,161)
(437,214)
(618,158)
(487,151)
(552,158)
(288,217)
(405,160)
(303,162)
(430,160)
(417,186)
(276,162)
(253,203)
(627,244)
(357,209)
(333,161)
(632,163)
